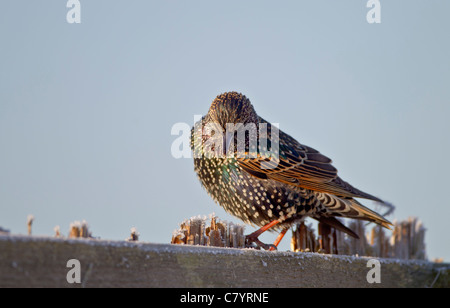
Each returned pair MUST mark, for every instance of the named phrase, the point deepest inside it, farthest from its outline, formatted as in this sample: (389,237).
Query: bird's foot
(252,241)
(255,243)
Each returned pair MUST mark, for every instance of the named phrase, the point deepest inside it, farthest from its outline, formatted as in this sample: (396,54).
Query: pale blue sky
(86,109)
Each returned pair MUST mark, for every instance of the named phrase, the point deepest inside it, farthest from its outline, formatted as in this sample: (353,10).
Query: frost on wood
(406,242)
(209,232)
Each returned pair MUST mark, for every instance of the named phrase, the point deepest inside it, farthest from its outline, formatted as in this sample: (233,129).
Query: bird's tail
(359,211)
(351,208)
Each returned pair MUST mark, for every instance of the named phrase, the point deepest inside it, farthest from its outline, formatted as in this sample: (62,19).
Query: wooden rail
(31,261)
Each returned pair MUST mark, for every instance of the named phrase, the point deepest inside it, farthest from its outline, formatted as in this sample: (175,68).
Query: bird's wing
(298,165)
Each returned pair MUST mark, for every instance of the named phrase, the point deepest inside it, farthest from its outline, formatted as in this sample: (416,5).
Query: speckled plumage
(304,183)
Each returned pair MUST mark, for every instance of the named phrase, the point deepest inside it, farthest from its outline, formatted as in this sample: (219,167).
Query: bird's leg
(278,239)
(253,237)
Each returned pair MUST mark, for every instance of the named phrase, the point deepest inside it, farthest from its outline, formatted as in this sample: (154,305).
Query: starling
(271,183)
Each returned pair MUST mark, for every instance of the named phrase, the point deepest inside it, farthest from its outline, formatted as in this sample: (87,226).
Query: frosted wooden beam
(31,261)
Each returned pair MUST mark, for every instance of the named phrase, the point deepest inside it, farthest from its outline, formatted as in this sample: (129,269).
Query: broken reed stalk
(327,239)
(196,231)
(57,230)
(3,231)
(303,239)
(407,240)
(79,230)
(134,236)
(30,220)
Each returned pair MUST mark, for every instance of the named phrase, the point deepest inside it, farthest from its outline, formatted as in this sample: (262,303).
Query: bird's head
(230,108)
(233,108)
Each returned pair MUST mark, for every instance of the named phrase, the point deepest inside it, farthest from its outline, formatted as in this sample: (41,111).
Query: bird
(273,182)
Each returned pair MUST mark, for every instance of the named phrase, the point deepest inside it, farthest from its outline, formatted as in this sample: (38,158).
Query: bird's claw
(255,243)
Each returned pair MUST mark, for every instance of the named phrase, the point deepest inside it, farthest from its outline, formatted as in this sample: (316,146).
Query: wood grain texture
(41,262)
